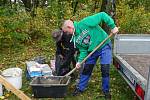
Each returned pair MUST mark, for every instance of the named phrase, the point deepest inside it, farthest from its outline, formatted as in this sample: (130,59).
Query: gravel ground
(140,63)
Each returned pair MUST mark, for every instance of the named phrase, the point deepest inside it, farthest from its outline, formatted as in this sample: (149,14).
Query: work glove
(78,65)
(115,30)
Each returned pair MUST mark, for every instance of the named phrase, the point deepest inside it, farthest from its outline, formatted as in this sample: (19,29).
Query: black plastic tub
(50,87)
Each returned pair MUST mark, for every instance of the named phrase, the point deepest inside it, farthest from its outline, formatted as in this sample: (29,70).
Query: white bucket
(1,90)
(13,76)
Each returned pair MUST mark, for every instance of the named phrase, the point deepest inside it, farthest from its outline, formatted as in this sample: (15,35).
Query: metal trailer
(132,60)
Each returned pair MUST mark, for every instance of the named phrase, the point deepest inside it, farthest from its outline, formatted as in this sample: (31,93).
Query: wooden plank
(17,92)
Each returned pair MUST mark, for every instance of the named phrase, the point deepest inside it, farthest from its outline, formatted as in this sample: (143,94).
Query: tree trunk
(95,6)
(103,9)
(74,6)
(60,12)
(10,3)
(104,5)
(109,7)
(28,5)
(43,3)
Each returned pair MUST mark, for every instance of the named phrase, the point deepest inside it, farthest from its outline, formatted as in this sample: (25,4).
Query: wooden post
(17,92)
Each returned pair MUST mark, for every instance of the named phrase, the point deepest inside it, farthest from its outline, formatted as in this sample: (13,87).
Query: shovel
(64,79)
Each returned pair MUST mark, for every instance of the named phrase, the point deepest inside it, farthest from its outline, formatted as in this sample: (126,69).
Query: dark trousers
(62,67)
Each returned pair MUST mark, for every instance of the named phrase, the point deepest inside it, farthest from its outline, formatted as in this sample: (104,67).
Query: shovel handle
(111,34)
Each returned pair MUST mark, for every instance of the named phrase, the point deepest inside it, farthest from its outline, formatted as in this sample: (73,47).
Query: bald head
(68,26)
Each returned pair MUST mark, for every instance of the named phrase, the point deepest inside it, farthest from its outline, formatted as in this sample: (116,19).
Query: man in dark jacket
(64,53)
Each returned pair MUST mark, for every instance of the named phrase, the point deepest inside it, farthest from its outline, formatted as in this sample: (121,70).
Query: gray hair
(67,23)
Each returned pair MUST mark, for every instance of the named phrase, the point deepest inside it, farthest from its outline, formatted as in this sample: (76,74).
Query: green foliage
(11,27)
(133,20)
(18,27)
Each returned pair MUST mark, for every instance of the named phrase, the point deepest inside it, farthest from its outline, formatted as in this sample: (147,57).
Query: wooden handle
(111,34)
(17,92)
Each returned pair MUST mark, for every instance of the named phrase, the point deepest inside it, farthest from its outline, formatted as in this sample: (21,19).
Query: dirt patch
(53,80)
(140,63)
(48,81)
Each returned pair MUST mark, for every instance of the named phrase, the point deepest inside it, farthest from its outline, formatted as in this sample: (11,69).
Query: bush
(133,20)
(19,27)
(12,27)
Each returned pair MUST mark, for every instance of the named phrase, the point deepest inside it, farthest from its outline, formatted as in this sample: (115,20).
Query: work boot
(76,92)
(107,96)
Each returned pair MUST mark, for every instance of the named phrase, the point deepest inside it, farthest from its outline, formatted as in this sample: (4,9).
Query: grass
(16,56)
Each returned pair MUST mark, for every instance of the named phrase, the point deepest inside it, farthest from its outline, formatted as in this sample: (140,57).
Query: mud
(48,81)
(51,80)
(140,63)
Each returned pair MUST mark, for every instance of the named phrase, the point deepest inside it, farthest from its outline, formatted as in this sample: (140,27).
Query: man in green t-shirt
(86,35)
